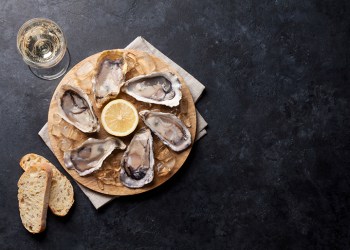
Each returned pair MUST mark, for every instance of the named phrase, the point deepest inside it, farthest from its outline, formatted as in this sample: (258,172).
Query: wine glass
(43,47)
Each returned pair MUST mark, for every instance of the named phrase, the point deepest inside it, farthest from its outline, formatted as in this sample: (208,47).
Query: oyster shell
(170,129)
(159,88)
(89,156)
(109,76)
(138,160)
(74,107)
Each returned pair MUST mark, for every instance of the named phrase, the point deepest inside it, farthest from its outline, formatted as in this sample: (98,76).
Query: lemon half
(119,118)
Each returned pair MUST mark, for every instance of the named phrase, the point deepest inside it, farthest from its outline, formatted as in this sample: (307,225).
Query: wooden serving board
(64,136)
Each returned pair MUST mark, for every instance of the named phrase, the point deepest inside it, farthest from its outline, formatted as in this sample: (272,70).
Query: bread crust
(60,184)
(31,159)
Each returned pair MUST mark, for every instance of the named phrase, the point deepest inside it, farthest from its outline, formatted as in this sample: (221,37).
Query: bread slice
(33,197)
(61,193)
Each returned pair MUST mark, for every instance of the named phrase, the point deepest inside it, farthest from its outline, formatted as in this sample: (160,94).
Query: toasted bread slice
(33,197)
(61,193)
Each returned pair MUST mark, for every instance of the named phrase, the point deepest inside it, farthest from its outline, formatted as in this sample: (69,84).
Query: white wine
(41,43)
(43,47)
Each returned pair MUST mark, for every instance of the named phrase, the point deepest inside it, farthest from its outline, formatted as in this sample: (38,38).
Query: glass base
(55,72)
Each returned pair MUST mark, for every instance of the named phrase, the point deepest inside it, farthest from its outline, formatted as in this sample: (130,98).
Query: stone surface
(273,171)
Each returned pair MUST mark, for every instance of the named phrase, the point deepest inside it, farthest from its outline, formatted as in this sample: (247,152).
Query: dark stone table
(273,171)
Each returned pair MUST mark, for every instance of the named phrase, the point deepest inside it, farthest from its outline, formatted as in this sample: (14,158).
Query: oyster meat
(159,88)
(109,76)
(138,160)
(170,129)
(74,107)
(89,156)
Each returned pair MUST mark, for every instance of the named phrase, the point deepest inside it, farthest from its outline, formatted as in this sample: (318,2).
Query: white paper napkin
(196,89)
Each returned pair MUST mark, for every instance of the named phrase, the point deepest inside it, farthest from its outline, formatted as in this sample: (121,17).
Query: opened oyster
(89,156)
(138,160)
(109,76)
(170,129)
(160,88)
(74,107)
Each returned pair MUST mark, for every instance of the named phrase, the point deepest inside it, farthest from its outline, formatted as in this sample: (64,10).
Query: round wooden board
(62,134)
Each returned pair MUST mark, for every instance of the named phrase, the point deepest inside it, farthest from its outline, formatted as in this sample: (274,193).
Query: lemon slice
(119,118)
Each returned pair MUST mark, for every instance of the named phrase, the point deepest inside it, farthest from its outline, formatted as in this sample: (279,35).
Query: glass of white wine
(43,47)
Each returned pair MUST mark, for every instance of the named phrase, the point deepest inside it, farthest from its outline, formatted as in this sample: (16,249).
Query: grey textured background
(273,172)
